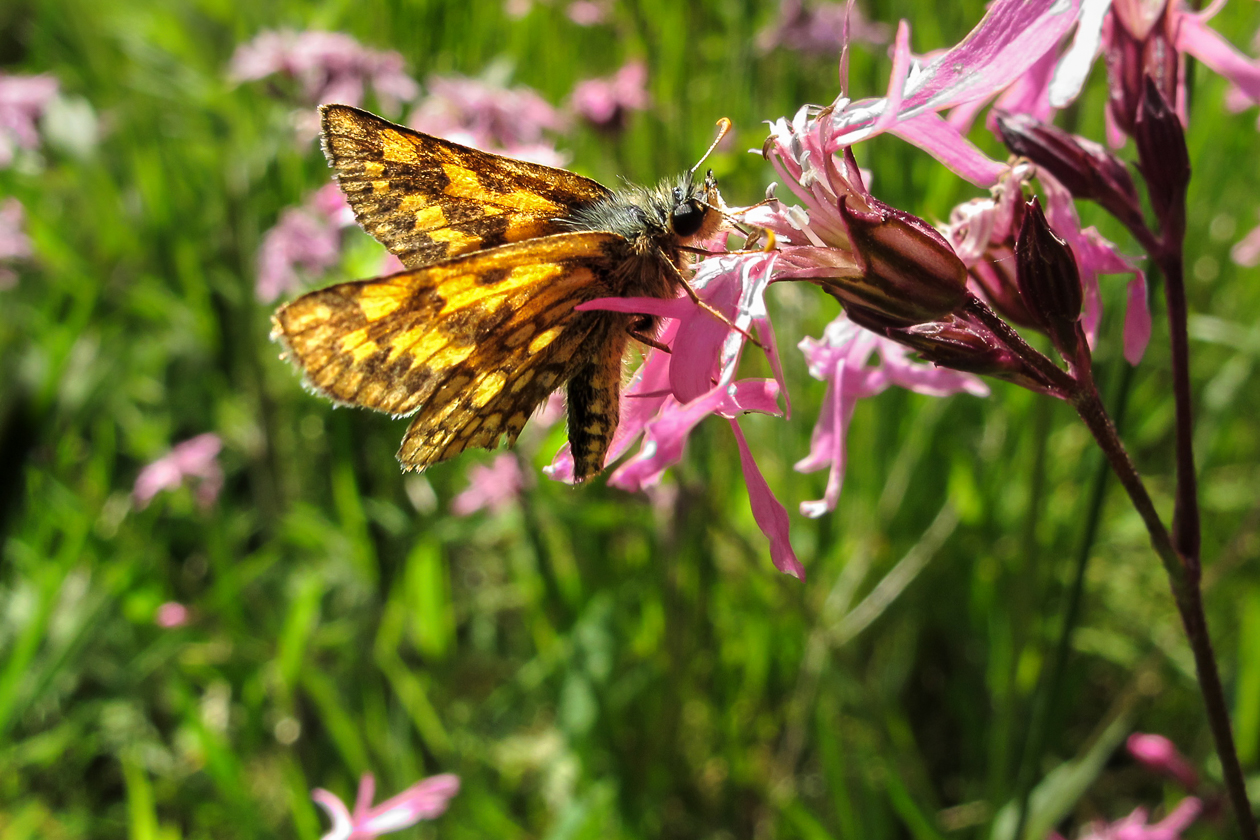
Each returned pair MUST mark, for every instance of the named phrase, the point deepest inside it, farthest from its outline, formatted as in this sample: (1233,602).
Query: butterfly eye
(687,218)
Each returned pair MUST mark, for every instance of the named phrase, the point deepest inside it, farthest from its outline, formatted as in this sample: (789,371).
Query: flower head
(1159,754)
(172,614)
(491,487)
(1136,827)
(821,28)
(22,102)
(489,116)
(327,67)
(842,358)
(306,241)
(672,392)
(422,801)
(195,458)
(14,243)
(893,266)
(606,103)
(1148,39)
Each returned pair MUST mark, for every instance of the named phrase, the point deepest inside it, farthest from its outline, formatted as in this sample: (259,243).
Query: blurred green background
(592,663)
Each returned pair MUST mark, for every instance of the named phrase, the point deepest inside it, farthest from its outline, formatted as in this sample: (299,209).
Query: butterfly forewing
(428,199)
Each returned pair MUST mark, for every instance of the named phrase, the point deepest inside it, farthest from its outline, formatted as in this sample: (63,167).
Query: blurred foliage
(591,663)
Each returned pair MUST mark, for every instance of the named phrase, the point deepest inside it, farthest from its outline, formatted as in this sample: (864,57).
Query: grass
(592,664)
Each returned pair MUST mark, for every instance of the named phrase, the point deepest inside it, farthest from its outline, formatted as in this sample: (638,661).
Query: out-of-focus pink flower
(194,458)
(14,243)
(1135,827)
(1246,252)
(22,102)
(172,614)
(1159,754)
(821,28)
(605,103)
(841,358)
(422,801)
(327,66)
(306,241)
(492,487)
(588,12)
(488,116)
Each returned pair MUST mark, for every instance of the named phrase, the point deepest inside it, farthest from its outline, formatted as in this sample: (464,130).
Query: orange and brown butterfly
(482,327)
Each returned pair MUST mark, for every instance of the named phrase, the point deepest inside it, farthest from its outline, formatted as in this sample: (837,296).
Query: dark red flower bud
(1049,281)
(1137,48)
(960,343)
(1164,161)
(910,274)
(1086,168)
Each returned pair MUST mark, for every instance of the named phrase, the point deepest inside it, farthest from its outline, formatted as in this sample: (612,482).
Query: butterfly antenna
(724,127)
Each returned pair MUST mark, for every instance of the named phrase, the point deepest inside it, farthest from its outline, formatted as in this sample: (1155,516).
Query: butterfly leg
(695,298)
(594,395)
(638,330)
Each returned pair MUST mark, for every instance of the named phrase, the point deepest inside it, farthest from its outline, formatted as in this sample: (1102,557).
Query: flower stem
(1186,595)
(1186,535)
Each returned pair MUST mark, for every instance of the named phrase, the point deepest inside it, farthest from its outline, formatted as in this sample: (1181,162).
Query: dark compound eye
(687,218)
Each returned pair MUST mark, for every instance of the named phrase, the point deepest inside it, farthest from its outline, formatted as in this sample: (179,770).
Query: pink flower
(1012,38)
(194,458)
(327,67)
(605,103)
(588,12)
(172,614)
(893,266)
(1246,252)
(1157,753)
(22,102)
(841,358)
(14,243)
(983,233)
(1149,37)
(821,28)
(306,241)
(491,487)
(1135,827)
(422,801)
(672,392)
(1096,255)
(488,116)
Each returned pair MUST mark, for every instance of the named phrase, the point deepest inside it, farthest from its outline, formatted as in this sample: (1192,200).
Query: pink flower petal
(1137,320)
(1198,39)
(769,513)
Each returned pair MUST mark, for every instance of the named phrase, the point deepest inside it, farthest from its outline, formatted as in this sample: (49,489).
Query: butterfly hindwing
(428,199)
(470,346)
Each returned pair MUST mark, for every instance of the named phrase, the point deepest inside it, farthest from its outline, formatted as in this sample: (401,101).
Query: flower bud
(1164,161)
(961,343)
(1049,281)
(910,274)
(1086,168)
(1138,47)
(1160,755)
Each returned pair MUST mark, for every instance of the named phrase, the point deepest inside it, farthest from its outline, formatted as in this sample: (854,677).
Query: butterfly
(482,327)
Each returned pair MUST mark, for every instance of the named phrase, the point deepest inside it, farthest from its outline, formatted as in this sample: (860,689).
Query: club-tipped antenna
(724,126)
